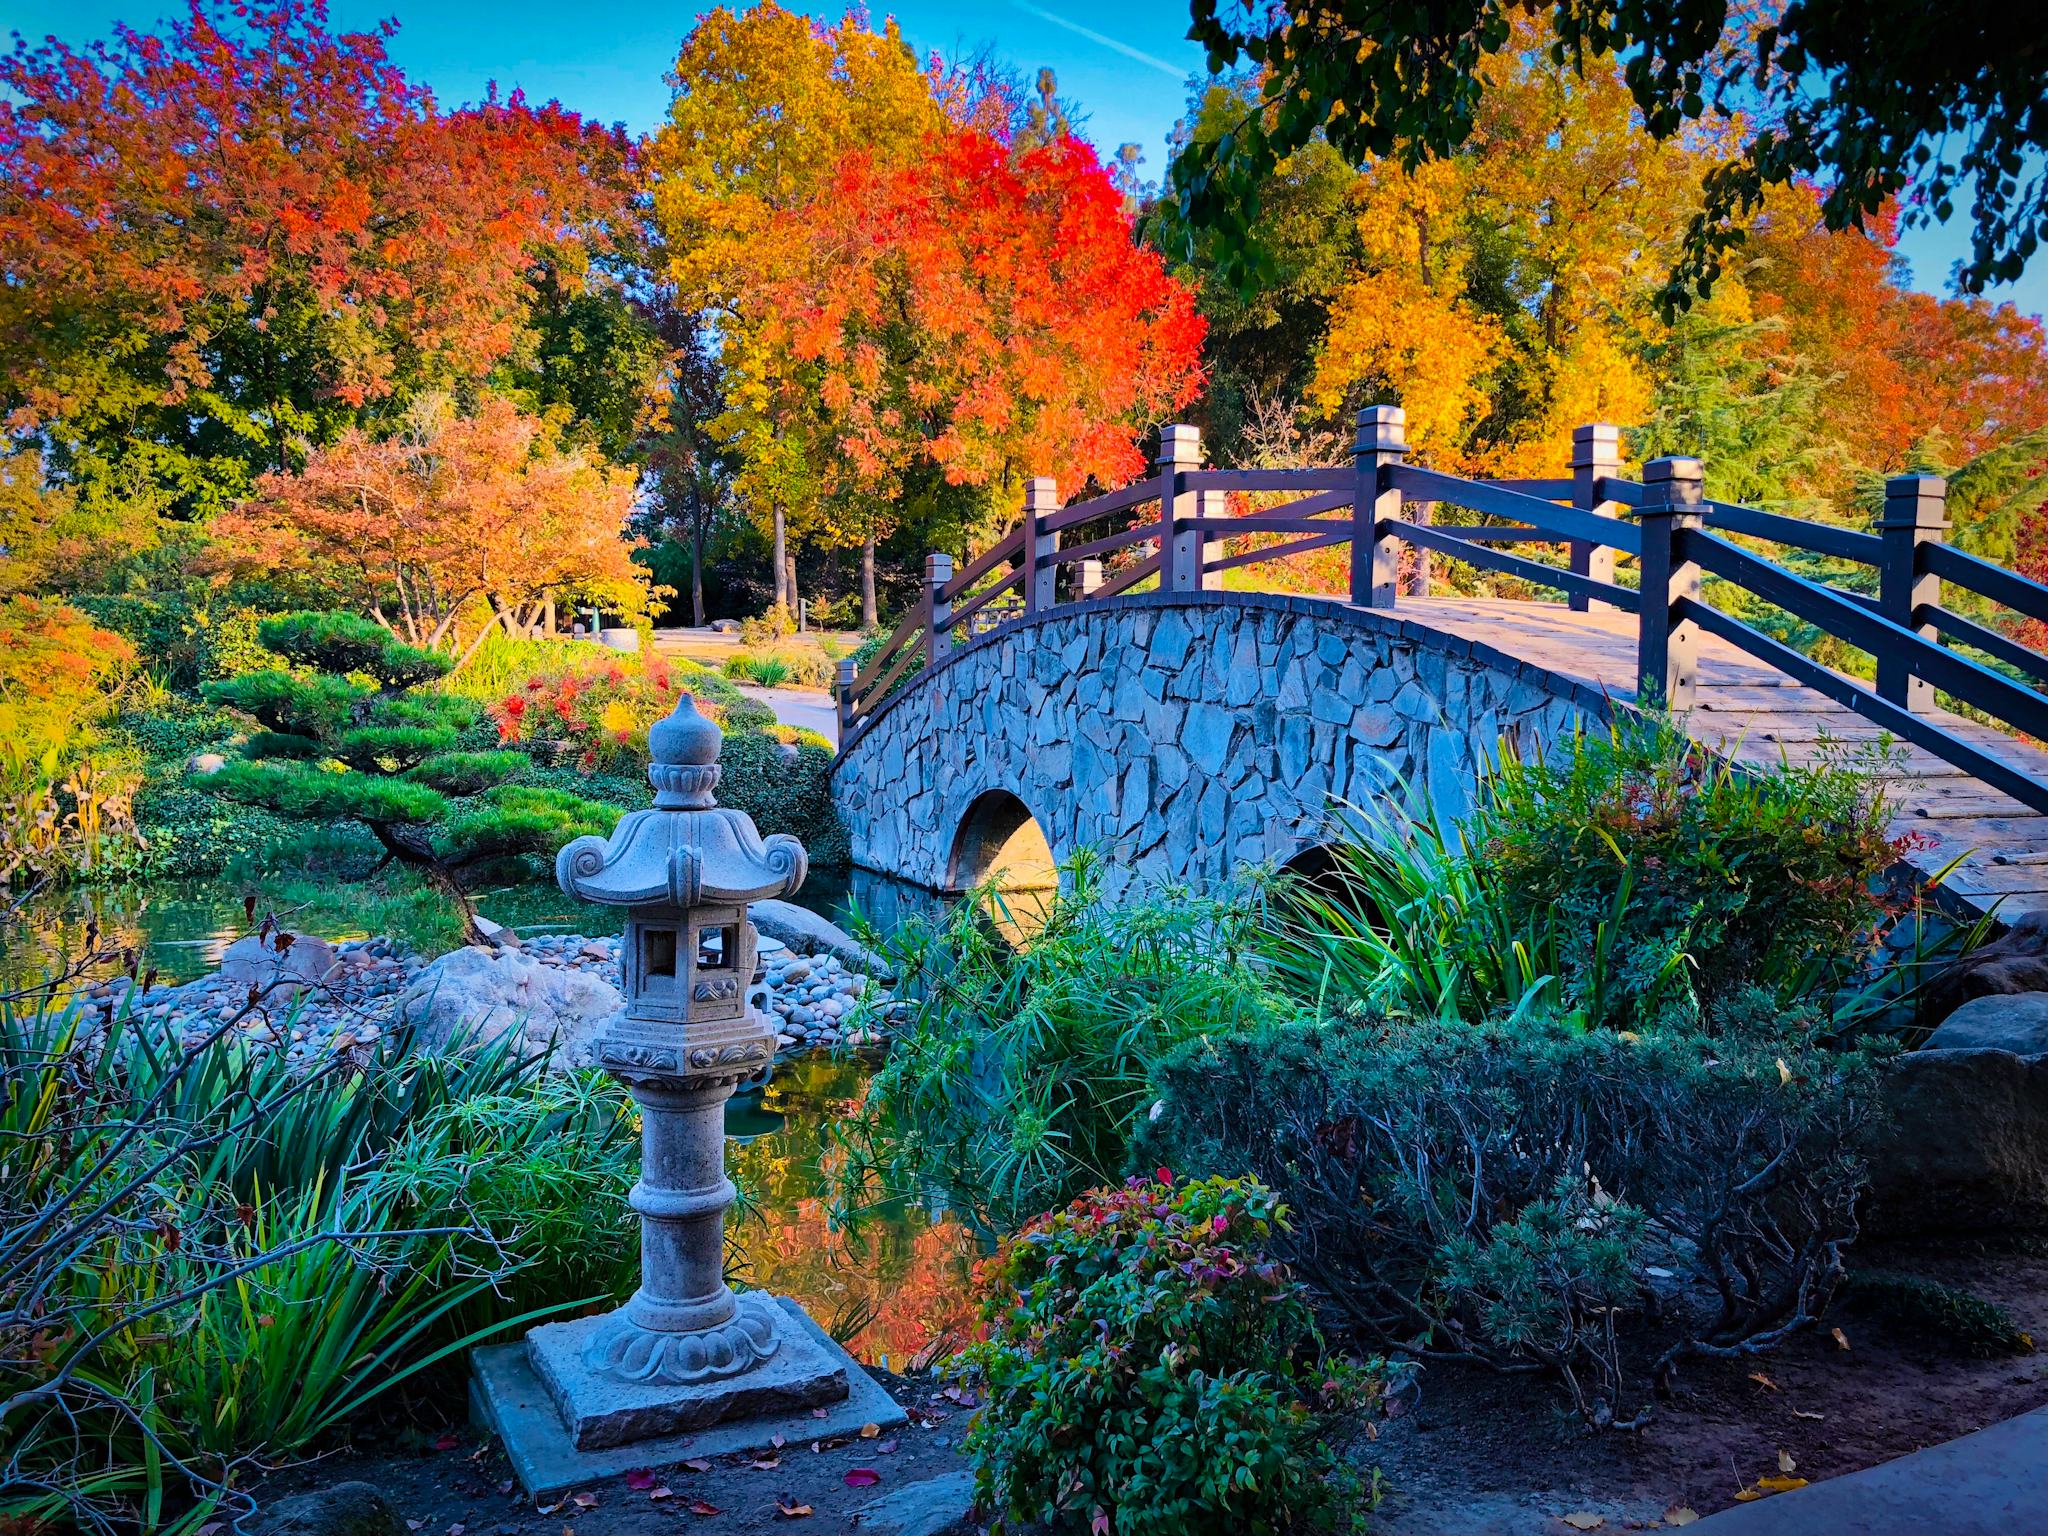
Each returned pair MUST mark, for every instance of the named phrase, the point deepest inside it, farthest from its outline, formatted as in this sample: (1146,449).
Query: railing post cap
(1597,431)
(1382,429)
(938,566)
(1915,501)
(1596,445)
(1676,468)
(846,671)
(1041,493)
(1180,444)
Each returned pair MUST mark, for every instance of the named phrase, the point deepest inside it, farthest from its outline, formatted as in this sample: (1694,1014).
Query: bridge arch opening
(999,838)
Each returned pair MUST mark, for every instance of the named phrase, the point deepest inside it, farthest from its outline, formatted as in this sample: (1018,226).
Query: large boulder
(2016,1023)
(480,995)
(279,973)
(934,1506)
(345,1509)
(809,934)
(1967,1149)
(2014,962)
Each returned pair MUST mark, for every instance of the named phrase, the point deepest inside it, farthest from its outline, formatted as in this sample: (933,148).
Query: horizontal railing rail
(1177,528)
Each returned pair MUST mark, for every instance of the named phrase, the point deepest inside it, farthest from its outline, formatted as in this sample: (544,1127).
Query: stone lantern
(685,1353)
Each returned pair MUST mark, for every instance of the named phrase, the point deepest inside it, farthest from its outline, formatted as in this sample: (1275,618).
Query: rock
(479,995)
(256,961)
(496,933)
(206,762)
(2016,961)
(346,1509)
(725,626)
(2016,1023)
(935,1506)
(596,949)
(1968,1146)
(809,934)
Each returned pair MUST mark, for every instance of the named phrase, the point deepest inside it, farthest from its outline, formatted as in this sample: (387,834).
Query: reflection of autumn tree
(888,1285)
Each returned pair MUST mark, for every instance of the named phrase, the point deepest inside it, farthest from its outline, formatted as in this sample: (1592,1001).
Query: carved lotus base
(629,1352)
(586,1367)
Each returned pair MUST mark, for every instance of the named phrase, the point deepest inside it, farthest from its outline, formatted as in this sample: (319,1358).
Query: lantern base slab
(508,1397)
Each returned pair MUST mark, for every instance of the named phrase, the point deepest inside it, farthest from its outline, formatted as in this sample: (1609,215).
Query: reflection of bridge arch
(1000,839)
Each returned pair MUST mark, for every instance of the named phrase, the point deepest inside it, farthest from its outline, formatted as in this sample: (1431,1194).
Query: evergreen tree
(350,736)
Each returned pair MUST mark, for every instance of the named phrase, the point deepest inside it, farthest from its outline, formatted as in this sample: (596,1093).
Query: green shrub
(1152,1371)
(1019,1073)
(1930,1312)
(1629,880)
(1520,1192)
(784,788)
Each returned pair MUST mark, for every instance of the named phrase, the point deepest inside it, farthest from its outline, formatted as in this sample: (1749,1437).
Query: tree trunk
(409,846)
(869,618)
(547,618)
(697,570)
(789,585)
(783,597)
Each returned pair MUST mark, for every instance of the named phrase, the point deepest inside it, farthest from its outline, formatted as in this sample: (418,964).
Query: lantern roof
(687,850)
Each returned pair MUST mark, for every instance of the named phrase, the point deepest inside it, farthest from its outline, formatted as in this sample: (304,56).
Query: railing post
(1419,568)
(1087,578)
(938,570)
(1596,455)
(1376,560)
(1209,546)
(1036,547)
(845,674)
(1915,516)
(1667,642)
(1180,547)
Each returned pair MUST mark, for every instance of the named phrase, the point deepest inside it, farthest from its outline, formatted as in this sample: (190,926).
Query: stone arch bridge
(1075,687)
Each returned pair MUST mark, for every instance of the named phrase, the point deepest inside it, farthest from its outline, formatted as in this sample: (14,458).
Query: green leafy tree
(1877,103)
(350,736)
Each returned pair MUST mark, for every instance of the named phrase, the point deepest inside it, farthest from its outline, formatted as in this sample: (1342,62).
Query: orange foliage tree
(453,516)
(250,233)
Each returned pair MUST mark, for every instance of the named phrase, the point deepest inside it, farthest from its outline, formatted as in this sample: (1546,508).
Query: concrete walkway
(805,708)
(1992,1483)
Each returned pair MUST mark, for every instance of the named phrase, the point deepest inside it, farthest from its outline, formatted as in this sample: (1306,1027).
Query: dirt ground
(1475,1455)
(455,1481)
(1481,1454)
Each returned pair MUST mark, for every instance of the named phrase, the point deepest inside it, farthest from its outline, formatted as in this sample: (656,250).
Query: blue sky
(1125,65)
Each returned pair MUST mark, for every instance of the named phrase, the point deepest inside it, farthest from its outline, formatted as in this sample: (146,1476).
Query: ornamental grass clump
(1628,879)
(1152,1370)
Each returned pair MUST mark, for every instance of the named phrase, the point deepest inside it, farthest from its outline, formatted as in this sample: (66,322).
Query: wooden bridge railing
(1176,522)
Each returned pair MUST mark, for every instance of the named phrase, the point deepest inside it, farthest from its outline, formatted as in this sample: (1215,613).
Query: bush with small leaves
(1152,1370)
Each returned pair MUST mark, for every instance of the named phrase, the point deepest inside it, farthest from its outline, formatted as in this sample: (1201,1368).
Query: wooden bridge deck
(1756,714)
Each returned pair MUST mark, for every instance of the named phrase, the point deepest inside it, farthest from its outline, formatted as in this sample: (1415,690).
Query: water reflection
(894,1283)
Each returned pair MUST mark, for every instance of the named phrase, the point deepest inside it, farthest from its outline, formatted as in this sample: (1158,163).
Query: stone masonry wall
(1185,736)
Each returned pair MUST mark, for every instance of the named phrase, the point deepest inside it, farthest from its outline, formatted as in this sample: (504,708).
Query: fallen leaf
(446,1443)
(861,1477)
(789,1511)
(639,1479)
(413,1525)
(1763,1381)
(778,1442)
(820,1413)
(661,1491)
(1801,1413)
(539,1509)
(1786,1463)
(698,1464)
(457,1529)
(584,1500)
(1841,1339)
(869,1431)
(1584,1520)
(506,1486)
(766,1463)
(699,1507)
(1745,1495)
(1781,1484)
(887,1447)
(1680,1514)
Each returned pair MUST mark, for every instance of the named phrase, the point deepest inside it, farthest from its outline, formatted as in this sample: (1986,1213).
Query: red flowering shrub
(597,714)
(1152,1370)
